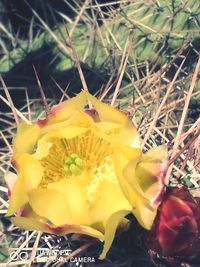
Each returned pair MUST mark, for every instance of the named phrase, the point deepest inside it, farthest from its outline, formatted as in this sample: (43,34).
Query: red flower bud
(176,229)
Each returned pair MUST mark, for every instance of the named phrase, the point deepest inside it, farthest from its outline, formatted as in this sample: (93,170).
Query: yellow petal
(18,197)
(125,160)
(10,179)
(28,212)
(109,128)
(78,119)
(25,139)
(30,174)
(28,224)
(145,213)
(86,230)
(43,147)
(81,119)
(128,134)
(102,207)
(105,111)
(76,197)
(68,132)
(50,204)
(32,224)
(77,124)
(151,170)
(64,110)
(31,170)
(29,220)
(110,230)
(151,175)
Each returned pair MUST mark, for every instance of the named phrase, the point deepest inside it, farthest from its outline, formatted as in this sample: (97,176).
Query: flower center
(74,165)
(104,172)
(86,154)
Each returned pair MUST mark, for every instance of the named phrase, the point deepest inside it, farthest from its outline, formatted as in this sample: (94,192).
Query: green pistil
(74,165)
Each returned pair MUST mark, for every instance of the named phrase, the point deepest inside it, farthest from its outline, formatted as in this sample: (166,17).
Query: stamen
(67,158)
(74,165)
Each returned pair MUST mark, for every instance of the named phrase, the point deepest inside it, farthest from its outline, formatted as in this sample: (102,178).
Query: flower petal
(64,110)
(50,204)
(102,207)
(10,179)
(81,119)
(43,147)
(32,224)
(145,213)
(75,229)
(105,111)
(29,220)
(109,127)
(30,175)
(128,134)
(111,227)
(152,167)
(18,197)
(180,208)
(76,197)
(78,123)
(175,231)
(32,171)
(118,133)
(151,173)
(25,139)
(68,132)
(78,119)
(125,160)
(28,223)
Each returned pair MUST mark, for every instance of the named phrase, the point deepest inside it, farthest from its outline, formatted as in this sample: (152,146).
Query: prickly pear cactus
(155,30)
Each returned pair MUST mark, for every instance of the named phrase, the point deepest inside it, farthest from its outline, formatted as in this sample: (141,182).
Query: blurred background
(154,34)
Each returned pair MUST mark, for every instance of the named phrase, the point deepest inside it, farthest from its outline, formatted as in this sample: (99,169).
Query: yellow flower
(147,177)
(79,171)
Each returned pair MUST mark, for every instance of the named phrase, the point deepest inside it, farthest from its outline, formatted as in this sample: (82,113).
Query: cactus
(158,29)
(155,30)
